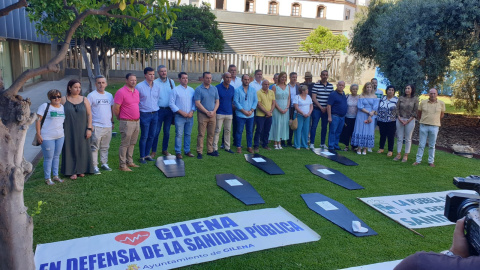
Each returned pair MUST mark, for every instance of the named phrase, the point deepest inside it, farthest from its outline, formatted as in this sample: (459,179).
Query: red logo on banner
(133,238)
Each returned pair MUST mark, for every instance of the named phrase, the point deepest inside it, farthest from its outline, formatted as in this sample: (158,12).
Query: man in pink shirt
(127,110)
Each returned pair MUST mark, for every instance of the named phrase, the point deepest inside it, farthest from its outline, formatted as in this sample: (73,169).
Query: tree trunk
(183,61)
(16,226)
(94,56)
(91,77)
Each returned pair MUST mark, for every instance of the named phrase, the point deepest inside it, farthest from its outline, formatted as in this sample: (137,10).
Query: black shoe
(199,156)
(222,146)
(149,158)
(213,154)
(229,151)
(142,160)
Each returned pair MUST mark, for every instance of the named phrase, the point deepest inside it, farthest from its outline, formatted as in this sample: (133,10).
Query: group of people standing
(393,115)
(79,127)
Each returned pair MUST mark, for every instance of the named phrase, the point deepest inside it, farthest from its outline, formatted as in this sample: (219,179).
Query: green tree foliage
(466,87)
(322,43)
(411,40)
(54,18)
(133,25)
(195,25)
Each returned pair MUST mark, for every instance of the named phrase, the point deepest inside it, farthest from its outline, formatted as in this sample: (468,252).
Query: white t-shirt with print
(101,108)
(52,128)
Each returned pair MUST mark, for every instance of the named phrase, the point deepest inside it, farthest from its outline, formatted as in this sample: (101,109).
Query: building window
(250,6)
(347,14)
(273,8)
(321,12)
(296,9)
(220,4)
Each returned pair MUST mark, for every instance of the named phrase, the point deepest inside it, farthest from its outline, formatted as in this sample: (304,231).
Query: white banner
(179,244)
(414,211)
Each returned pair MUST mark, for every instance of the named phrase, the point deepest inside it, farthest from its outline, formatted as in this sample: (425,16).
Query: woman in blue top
(364,131)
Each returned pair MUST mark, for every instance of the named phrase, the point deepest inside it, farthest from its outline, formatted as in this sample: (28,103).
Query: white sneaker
(96,171)
(369,149)
(105,167)
(312,146)
(276,147)
(49,182)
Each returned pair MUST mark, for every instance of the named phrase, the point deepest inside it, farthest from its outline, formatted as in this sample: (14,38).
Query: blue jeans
(183,126)
(148,127)
(165,118)
(427,133)
(336,127)
(241,122)
(51,150)
(316,116)
(301,134)
(263,130)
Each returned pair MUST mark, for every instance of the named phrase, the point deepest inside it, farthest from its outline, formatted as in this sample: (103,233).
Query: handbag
(35,139)
(293,123)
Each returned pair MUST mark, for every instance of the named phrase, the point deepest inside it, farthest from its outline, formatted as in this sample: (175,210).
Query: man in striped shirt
(320,93)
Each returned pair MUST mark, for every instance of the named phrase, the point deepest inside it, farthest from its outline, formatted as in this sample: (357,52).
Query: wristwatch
(448,253)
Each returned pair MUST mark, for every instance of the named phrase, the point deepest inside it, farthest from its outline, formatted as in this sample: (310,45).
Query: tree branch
(71,7)
(52,65)
(6,10)
(124,17)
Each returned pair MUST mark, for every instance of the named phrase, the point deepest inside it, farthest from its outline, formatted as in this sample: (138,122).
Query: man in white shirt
(257,82)
(102,121)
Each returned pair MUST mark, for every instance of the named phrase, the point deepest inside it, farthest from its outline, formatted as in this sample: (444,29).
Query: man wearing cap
(308,82)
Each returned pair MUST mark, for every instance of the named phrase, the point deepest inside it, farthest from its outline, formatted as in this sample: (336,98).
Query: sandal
(380,151)
(346,149)
(58,179)
(397,157)
(389,154)
(73,177)
(81,175)
(405,158)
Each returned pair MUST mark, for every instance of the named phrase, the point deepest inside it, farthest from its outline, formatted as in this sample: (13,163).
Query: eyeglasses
(56,97)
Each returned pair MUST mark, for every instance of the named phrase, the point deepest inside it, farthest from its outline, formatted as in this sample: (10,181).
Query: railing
(214,62)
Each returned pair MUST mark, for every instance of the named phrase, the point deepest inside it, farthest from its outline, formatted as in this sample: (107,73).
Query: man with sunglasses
(102,121)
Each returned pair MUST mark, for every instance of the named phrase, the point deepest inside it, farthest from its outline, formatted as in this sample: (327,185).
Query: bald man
(336,110)
(430,113)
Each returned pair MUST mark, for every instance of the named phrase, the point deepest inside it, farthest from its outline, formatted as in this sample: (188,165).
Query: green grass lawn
(117,201)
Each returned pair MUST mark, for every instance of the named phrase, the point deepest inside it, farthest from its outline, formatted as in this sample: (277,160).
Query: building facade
(21,48)
(314,9)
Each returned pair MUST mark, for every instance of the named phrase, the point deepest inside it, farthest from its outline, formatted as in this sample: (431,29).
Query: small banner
(179,244)
(414,211)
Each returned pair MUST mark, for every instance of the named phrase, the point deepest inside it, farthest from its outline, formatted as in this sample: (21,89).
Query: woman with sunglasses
(76,153)
(50,135)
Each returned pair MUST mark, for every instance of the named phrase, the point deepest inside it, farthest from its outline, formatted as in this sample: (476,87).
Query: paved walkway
(38,95)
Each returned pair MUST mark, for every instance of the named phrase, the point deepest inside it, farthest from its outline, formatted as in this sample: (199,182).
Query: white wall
(308,8)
